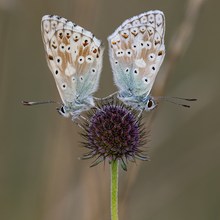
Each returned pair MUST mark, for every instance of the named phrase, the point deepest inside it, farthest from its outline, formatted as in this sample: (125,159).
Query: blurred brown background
(40,175)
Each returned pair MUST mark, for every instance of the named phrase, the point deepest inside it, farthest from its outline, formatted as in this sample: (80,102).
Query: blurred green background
(41,177)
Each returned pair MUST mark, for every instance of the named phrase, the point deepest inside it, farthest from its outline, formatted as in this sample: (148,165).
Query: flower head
(113,132)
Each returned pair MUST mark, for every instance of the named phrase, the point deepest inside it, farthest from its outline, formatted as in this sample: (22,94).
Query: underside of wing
(136,51)
(74,56)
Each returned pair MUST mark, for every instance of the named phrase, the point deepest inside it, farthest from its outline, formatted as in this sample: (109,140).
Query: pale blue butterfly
(74,56)
(136,51)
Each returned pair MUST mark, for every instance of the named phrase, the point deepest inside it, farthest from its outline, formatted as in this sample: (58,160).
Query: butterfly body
(136,51)
(145,102)
(74,56)
(76,107)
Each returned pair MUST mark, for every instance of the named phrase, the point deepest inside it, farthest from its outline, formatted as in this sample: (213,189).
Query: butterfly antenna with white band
(28,103)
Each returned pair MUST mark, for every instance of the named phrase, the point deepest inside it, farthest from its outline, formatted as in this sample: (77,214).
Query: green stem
(114,190)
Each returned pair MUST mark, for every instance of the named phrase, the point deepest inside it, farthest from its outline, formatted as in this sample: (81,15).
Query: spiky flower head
(114,132)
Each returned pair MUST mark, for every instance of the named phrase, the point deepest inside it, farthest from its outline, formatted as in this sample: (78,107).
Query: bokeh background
(41,177)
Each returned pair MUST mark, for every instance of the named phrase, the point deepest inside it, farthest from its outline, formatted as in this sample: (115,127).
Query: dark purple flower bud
(114,132)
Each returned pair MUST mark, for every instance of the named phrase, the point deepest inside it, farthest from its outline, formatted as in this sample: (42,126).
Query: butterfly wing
(74,57)
(136,51)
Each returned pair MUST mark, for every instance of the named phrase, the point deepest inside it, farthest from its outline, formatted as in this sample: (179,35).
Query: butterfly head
(150,103)
(63,111)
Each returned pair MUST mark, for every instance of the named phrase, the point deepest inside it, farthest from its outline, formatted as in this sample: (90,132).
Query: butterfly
(74,56)
(136,51)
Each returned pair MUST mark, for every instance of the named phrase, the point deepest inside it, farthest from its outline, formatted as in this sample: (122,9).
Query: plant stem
(114,190)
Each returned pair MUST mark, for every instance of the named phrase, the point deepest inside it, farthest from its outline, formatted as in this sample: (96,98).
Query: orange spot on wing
(135,33)
(125,36)
(60,35)
(50,57)
(85,43)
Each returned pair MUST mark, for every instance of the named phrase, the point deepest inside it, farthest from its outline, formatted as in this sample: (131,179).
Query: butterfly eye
(63,112)
(149,104)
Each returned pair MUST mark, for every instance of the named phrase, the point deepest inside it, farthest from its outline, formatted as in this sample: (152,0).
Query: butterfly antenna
(28,103)
(169,99)
(105,98)
(186,99)
(83,118)
(140,113)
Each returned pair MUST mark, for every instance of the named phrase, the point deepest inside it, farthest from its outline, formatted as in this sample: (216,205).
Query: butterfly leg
(140,113)
(79,125)
(129,111)
(84,118)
